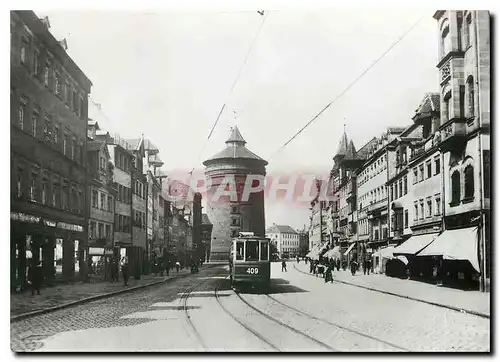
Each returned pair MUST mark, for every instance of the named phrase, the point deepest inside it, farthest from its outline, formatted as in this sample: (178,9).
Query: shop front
(59,247)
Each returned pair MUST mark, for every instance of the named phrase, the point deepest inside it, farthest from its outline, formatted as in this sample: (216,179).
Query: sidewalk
(474,302)
(59,295)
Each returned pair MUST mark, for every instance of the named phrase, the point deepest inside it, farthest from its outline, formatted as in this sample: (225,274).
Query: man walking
(283,265)
(36,277)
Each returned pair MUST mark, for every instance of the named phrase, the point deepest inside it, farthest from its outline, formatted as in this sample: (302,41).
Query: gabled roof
(282,229)
(97,145)
(430,103)
(351,152)
(364,151)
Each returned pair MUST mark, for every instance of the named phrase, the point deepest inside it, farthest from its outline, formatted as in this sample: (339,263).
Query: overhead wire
(349,86)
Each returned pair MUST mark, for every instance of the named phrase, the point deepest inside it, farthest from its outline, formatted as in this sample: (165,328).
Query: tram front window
(263,251)
(252,250)
(240,247)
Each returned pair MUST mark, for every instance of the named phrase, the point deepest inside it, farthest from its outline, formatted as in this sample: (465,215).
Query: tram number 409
(253,271)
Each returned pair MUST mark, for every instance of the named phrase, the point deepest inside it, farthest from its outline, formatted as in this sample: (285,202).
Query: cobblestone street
(301,313)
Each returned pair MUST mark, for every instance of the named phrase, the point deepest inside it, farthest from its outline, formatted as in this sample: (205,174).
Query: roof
(351,152)
(205,220)
(343,143)
(430,103)
(235,149)
(282,229)
(364,151)
(94,123)
(236,136)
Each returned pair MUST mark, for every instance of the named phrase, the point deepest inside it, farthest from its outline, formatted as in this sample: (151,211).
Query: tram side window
(252,250)
(263,251)
(240,247)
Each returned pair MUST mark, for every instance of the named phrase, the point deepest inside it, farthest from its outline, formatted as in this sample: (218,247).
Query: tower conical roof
(236,136)
(235,149)
(343,143)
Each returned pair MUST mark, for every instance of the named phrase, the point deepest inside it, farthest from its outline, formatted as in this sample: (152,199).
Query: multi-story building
(303,241)
(372,194)
(285,238)
(464,74)
(196,222)
(121,159)
(101,195)
(48,101)
(317,229)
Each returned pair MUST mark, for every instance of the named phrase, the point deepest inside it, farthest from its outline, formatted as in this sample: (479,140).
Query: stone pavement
(58,295)
(469,301)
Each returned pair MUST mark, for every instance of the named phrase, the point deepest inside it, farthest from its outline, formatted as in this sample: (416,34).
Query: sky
(167,74)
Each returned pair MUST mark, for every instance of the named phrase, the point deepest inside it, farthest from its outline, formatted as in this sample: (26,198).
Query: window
(469,182)
(81,112)
(406,219)
(400,188)
(415,175)
(58,84)
(264,247)
(95,196)
(92,229)
(470,96)
(437,165)
(445,41)
(73,149)
(461,90)
(110,203)
(405,185)
(64,144)
(415,211)
(240,247)
(108,232)
(34,118)
(437,210)
(24,50)
(34,179)
(46,74)
(468,31)
(75,100)
(56,135)
(54,195)
(396,190)
(455,187)
(65,194)
(486,172)
(36,63)
(421,172)
(22,111)
(447,107)
(429,207)
(46,129)
(429,168)
(19,182)
(100,229)
(103,198)
(44,192)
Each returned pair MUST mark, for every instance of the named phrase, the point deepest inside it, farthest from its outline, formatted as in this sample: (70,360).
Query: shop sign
(24,217)
(52,224)
(71,227)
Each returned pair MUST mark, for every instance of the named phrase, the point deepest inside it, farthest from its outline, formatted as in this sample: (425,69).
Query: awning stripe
(415,244)
(349,249)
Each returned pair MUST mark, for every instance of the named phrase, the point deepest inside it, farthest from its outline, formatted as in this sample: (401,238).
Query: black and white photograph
(250,179)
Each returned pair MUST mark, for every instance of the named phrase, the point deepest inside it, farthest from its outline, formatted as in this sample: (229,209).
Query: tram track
(284,325)
(342,327)
(241,323)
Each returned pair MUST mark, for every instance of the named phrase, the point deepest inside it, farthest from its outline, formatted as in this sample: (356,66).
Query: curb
(456,309)
(20,317)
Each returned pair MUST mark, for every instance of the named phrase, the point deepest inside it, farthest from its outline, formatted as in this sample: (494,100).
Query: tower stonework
(229,217)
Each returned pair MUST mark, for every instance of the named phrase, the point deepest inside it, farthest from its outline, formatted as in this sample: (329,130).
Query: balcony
(453,134)
(377,206)
(417,151)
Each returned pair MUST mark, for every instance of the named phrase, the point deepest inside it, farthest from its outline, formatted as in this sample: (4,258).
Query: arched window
(445,41)
(448,113)
(470,95)
(455,187)
(469,182)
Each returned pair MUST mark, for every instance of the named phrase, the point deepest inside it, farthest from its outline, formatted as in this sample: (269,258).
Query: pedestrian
(365,262)
(177,266)
(354,266)
(328,274)
(125,271)
(283,265)
(298,259)
(305,260)
(36,277)
(368,266)
(338,264)
(167,267)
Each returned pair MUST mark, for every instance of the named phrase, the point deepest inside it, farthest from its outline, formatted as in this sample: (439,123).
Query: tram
(249,262)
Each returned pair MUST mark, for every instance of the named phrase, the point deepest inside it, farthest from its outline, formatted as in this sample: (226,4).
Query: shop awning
(403,258)
(414,244)
(459,244)
(333,253)
(349,249)
(386,253)
(316,251)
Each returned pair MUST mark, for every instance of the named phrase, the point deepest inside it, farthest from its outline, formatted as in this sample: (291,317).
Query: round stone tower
(230,215)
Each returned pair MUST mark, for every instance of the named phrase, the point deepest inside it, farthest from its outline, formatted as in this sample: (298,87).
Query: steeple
(342,148)
(351,152)
(236,137)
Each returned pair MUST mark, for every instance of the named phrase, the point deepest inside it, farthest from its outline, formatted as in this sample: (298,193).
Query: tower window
(455,187)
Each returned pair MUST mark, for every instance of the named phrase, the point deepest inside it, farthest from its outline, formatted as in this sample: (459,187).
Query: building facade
(285,238)
(206,235)
(48,100)
(464,73)
(231,215)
